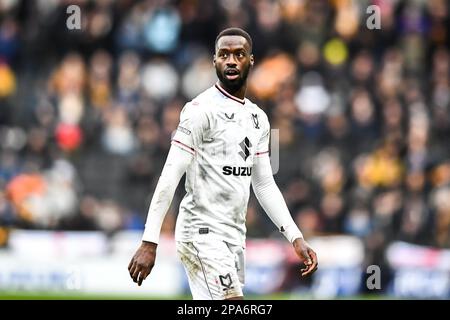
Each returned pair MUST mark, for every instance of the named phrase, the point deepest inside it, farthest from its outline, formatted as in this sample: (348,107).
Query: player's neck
(240,93)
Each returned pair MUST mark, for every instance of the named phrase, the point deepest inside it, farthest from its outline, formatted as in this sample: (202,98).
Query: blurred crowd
(86,115)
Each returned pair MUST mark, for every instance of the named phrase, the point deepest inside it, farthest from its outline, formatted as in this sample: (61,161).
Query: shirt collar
(226,94)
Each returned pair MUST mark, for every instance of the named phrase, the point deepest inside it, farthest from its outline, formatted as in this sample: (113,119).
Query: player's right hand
(142,262)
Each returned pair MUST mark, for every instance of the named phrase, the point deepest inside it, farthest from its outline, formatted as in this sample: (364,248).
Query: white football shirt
(224,134)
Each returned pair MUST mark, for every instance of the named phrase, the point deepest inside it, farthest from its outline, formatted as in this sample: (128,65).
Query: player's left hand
(307,255)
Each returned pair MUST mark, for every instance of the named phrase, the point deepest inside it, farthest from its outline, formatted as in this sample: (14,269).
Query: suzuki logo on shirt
(240,171)
(245,146)
(237,171)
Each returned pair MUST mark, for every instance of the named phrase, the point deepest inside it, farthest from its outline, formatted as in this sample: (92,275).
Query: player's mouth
(231,74)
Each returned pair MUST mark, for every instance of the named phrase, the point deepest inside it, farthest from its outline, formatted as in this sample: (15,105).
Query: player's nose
(231,61)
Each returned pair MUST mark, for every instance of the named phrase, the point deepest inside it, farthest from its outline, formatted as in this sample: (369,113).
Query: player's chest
(232,125)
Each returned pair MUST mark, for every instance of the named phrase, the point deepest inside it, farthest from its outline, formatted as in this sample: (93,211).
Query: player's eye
(223,54)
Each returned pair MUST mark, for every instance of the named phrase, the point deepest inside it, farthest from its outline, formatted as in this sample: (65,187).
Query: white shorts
(215,268)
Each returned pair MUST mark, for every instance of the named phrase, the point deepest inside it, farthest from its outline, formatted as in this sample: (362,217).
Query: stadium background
(86,118)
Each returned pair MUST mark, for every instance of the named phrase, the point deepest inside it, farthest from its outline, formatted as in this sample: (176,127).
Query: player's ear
(252,60)
(214,60)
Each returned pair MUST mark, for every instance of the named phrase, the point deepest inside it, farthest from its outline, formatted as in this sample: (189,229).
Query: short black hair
(234,32)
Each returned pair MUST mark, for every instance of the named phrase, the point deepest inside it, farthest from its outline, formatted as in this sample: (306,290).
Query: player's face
(232,61)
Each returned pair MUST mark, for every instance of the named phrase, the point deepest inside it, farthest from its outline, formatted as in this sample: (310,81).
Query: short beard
(233,85)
